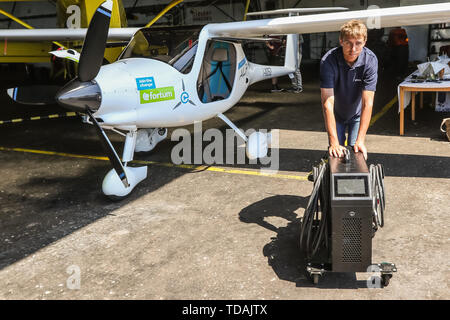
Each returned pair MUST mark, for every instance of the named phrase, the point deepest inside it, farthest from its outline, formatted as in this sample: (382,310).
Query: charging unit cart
(343,213)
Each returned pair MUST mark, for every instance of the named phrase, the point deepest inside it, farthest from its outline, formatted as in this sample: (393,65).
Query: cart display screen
(351,186)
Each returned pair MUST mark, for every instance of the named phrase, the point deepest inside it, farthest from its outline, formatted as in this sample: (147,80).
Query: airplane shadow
(283,251)
(56,204)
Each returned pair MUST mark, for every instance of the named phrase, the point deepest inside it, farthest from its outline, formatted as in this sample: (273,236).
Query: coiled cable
(379,200)
(314,227)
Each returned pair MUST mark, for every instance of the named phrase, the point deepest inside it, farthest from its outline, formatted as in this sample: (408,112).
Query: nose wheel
(113,187)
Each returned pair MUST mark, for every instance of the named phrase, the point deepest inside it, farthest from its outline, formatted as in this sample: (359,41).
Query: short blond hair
(354,29)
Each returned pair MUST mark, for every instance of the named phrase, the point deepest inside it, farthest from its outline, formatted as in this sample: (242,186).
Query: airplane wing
(61,34)
(326,22)
(296,11)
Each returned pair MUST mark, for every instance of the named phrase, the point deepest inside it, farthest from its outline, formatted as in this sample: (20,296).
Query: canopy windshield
(168,46)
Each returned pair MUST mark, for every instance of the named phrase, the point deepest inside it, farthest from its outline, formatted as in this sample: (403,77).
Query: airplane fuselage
(149,93)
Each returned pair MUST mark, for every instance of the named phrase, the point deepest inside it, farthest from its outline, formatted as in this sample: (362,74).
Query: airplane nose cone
(77,95)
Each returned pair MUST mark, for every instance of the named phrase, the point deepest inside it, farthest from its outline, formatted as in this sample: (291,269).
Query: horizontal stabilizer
(67,54)
(38,95)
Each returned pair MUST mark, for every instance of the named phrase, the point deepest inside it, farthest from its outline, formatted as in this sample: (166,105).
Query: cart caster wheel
(315,278)
(385,279)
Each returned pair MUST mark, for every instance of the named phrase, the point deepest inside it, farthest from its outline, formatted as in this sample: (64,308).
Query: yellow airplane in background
(70,13)
(36,52)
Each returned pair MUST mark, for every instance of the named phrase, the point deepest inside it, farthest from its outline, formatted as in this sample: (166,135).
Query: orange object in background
(398,37)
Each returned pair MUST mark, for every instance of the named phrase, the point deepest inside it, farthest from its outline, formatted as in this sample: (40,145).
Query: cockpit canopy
(175,47)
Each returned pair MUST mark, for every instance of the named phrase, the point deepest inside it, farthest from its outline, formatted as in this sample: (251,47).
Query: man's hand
(336,151)
(360,147)
(366,113)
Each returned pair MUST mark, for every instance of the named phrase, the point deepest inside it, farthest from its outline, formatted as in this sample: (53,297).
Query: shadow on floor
(283,251)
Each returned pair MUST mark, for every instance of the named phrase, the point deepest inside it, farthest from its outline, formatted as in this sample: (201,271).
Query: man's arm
(366,115)
(327,95)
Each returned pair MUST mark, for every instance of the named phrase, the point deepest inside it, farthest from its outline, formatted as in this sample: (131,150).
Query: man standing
(348,79)
(275,59)
(296,77)
(399,52)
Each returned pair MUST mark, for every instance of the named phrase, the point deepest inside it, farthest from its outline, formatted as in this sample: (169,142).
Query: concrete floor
(202,234)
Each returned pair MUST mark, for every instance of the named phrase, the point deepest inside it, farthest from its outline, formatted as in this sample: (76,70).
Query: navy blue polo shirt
(348,82)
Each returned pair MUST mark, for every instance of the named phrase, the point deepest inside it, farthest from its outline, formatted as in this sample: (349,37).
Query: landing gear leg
(112,186)
(257,144)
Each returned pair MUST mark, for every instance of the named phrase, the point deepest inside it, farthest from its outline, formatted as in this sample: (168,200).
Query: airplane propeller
(90,61)
(83,94)
(94,46)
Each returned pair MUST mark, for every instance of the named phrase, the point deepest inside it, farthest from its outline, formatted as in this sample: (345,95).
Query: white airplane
(144,96)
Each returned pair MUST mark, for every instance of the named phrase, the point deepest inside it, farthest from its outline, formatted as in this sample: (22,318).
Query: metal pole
(247,5)
(163,12)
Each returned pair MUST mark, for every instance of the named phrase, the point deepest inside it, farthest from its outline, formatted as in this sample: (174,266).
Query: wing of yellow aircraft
(31,45)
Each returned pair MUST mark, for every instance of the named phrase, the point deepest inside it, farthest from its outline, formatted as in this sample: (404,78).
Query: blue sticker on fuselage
(145,83)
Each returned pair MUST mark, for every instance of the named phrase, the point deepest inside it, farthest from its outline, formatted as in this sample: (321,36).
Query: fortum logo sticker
(157,95)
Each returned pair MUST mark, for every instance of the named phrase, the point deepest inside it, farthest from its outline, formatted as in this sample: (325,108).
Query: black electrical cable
(379,200)
(314,228)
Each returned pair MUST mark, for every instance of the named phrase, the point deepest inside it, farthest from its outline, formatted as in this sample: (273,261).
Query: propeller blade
(38,95)
(110,151)
(91,57)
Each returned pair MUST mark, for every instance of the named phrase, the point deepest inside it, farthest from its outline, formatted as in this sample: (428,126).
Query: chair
(211,88)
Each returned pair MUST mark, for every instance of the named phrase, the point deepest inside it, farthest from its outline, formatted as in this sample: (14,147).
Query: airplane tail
(291,56)
(263,72)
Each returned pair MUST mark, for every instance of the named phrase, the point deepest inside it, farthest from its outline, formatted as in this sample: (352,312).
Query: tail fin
(291,56)
(261,72)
